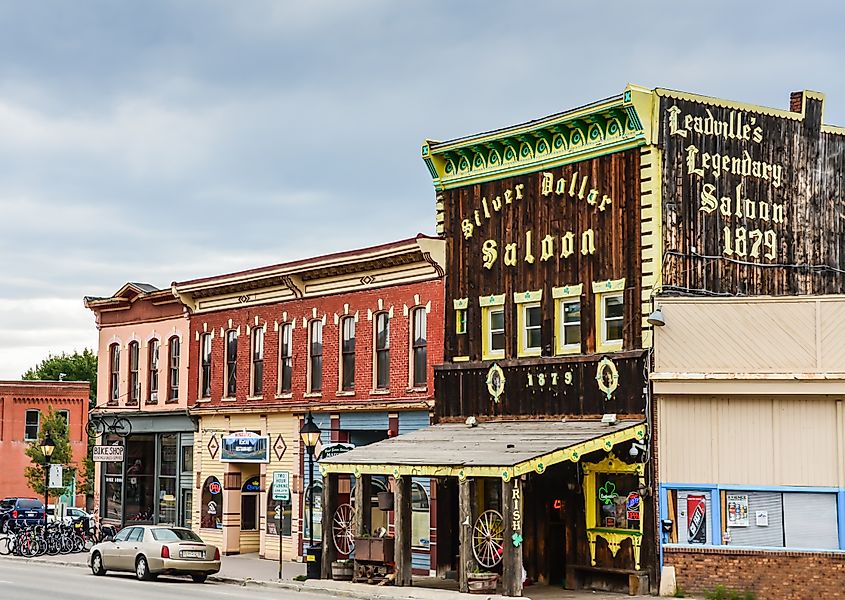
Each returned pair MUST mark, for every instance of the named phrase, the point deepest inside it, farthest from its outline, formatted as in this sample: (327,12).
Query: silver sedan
(152,550)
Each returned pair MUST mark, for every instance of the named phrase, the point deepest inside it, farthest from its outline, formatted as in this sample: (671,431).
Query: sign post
(281,493)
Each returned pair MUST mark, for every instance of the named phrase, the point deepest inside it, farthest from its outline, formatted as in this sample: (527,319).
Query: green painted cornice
(612,125)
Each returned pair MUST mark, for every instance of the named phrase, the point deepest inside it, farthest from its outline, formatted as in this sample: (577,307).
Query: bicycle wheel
(96,427)
(121,427)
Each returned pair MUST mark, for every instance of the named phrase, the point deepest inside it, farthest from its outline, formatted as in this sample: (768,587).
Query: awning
(493,449)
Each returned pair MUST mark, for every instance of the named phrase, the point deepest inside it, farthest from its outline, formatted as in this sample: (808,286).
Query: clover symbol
(607,492)
(517,539)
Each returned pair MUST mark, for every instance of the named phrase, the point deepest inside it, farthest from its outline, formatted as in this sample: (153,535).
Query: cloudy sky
(156,141)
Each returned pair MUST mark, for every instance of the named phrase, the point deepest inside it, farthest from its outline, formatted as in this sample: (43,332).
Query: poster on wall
(696,519)
(245,447)
(737,510)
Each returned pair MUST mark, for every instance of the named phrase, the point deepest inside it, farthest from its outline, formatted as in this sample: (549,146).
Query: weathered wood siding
(752,199)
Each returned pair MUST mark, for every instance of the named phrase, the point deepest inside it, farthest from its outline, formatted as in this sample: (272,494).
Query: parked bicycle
(56,538)
(98,426)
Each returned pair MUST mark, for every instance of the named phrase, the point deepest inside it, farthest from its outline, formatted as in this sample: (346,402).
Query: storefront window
(140,478)
(619,502)
(419,515)
(315,491)
(211,508)
(187,509)
(275,509)
(112,499)
(249,504)
(187,460)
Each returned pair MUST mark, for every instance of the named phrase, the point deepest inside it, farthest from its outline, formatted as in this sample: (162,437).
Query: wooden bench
(580,576)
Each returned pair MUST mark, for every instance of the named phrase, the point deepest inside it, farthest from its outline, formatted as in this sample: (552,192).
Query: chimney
(796,100)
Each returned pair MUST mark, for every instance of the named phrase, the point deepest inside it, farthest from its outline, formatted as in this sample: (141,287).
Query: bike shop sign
(108,453)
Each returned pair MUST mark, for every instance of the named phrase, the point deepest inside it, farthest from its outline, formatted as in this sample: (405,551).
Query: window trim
(285,327)
(173,370)
(489,305)
(461,305)
(341,387)
(414,348)
(114,373)
(312,356)
(205,365)
(133,381)
(26,425)
(153,358)
(378,352)
(562,296)
(231,363)
(603,290)
(524,301)
(254,390)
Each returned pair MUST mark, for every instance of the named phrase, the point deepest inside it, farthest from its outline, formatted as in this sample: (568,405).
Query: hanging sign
(108,453)
(245,447)
(334,449)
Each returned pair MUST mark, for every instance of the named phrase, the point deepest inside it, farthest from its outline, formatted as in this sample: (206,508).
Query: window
(257,388)
(152,375)
(231,363)
(211,504)
(420,520)
(249,504)
(492,326)
(64,415)
(134,390)
(205,366)
(286,358)
(347,353)
(461,306)
(419,349)
(568,319)
(315,356)
(314,492)
(529,320)
(33,421)
(114,373)
(168,444)
(609,314)
(173,375)
(123,534)
(382,342)
(137,535)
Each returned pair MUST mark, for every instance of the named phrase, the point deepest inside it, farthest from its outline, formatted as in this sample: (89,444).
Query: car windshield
(175,535)
(7,503)
(29,503)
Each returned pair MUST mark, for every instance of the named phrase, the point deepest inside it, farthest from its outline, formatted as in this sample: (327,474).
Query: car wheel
(200,578)
(97,564)
(142,569)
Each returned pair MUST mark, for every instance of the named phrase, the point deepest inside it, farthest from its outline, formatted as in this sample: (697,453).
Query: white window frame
(253,342)
(563,296)
(490,305)
(26,437)
(376,350)
(311,356)
(524,301)
(285,329)
(604,290)
(205,363)
(412,354)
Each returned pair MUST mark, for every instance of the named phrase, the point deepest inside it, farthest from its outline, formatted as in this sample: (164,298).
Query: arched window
(249,503)
(315,490)
(211,507)
(231,363)
(315,356)
(152,371)
(276,509)
(205,365)
(285,358)
(134,390)
(420,520)
(382,351)
(173,372)
(257,387)
(114,373)
(347,353)
(419,347)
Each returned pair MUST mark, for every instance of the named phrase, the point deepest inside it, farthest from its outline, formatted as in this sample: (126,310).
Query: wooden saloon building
(563,236)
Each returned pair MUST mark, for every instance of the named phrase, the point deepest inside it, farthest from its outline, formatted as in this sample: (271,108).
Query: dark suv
(20,511)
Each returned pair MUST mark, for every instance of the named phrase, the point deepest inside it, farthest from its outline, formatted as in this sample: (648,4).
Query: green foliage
(76,367)
(679,592)
(300,578)
(55,425)
(720,592)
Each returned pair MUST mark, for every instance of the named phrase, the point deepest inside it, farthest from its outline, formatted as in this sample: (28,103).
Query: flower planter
(342,570)
(385,501)
(374,549)
(482,583)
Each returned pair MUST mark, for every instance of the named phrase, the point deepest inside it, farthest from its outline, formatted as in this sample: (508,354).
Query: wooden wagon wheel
(488,537)
(343,531)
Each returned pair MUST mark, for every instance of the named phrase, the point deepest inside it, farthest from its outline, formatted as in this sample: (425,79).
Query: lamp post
(47,447)
(310,435)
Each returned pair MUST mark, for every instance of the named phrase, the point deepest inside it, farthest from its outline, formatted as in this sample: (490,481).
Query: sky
(160,141)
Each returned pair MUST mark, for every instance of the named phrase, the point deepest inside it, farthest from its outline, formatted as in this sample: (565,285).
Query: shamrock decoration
(517,539)
(607,492)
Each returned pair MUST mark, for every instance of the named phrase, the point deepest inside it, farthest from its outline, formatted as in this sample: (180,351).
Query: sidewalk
(249,570)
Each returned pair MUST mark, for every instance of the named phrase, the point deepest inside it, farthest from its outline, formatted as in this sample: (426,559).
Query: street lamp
(47,447)
(310,435)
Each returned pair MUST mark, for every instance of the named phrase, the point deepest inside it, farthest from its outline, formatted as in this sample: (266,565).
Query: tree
(54,424)
(79,366)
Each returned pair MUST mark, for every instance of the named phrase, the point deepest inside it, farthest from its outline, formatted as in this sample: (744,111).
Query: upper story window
(382,350)
(568,319)
(492,326)
(285,358)
(461,306)
(419,347)
(257,384)
(114,373)
(64,415)
(231,363)
(152,374)
(347,353)
(315,356)
(529,319)
(33,423)
(205,365)
(610,311)
(173,373)
(134,373)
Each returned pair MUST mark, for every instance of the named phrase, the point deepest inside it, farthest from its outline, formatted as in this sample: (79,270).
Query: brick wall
(769,574)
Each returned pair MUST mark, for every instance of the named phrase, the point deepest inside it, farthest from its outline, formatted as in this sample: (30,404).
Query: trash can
(313,561)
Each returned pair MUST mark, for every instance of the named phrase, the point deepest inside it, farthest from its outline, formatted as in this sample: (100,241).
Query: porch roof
(492,449)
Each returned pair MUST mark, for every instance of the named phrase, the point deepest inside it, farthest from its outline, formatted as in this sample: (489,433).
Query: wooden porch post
(363,505)
(402,526)
(512,557)
(466,563)
(329,507)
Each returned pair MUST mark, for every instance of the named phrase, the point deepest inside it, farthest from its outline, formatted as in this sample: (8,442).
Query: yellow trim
(537,465)
(522,297)
(460,303)
(568,291)
(486,352)
(560,299)
(651,235)
(601,345)
(491,300)
(521,308)
(460,359)
(610,285)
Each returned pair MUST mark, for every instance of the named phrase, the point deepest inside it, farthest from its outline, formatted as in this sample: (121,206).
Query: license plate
(32,514)
(191,554)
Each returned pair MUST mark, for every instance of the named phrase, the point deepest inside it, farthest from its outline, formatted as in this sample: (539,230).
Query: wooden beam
(466,520)
(512,556)
(329,508)
(402,526)
(363,505)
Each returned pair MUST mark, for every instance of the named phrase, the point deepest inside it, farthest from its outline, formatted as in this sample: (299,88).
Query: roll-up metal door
(809,520)
(770,535)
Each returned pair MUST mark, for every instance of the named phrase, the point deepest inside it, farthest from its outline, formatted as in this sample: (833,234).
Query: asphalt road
(21,580)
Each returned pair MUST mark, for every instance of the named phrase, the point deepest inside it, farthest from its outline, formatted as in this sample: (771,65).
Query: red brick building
(351,337)
(22,407)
